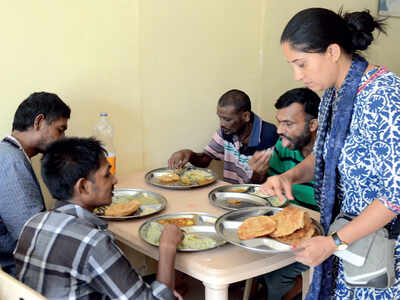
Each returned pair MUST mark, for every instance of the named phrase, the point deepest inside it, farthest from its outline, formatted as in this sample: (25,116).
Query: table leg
(247,289)
(216,291)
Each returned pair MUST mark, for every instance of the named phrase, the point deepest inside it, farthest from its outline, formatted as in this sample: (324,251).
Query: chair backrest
(12,289)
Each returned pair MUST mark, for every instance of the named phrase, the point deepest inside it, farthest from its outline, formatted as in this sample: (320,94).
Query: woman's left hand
(314,251)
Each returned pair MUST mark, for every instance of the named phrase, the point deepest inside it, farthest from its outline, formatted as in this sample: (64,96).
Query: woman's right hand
(278,185)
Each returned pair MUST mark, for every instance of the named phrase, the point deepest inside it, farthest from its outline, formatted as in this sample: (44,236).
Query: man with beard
(297,118)
(240,135)
(39,120)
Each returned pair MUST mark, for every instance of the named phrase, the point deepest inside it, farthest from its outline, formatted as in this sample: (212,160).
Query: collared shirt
(282,160)
(236,155)
(10,138)
(68,253)
(20,196)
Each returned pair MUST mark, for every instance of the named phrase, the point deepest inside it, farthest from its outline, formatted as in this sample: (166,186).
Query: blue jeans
(280,281)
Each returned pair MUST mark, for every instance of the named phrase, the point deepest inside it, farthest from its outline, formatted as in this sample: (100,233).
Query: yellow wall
(277,75)
(157,67)
(190,53)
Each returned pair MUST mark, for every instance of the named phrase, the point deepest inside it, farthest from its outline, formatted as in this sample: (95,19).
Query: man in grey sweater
(39,120)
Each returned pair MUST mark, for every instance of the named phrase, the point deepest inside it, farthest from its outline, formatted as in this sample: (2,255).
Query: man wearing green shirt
(284,159)
(297,116)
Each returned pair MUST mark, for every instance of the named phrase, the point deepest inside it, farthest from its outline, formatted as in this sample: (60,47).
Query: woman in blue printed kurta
(369,165)
(356,159)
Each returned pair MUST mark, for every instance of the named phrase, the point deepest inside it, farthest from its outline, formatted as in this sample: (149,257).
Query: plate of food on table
(267,229)
(239,196)
(131,203)
(185,178)
(198,228)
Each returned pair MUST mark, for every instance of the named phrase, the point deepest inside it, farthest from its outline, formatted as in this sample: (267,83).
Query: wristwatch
(339,243)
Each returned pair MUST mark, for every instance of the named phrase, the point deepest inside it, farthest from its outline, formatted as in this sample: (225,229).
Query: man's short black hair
(48,104)
(305,96)
(238,99)
(67,160)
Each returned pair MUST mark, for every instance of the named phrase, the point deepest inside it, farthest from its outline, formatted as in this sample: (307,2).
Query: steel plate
(226,227)
(152,178)
(239,196)
(152,203)
(203,228)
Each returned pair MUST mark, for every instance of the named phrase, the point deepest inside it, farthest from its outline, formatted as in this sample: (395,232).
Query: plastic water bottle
(104,132)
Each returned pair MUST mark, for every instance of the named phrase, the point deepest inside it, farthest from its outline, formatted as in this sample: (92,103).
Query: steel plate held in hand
(227,225)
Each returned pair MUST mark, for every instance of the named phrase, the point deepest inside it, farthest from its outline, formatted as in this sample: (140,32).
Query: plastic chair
(12,289)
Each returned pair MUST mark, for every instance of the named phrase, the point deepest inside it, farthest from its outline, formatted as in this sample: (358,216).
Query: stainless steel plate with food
(227,226)
(186,178)
(147,203)
(238,196)
(198,228)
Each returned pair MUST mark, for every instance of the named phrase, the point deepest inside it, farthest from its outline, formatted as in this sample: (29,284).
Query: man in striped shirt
(297,118)
(240,135)
(68,253)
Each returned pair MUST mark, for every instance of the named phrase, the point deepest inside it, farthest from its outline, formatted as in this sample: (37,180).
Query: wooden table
(216,268)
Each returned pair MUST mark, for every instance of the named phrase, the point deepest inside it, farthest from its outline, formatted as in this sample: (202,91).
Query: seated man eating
(297,116)
(39,120)
(68,252)
(240,135)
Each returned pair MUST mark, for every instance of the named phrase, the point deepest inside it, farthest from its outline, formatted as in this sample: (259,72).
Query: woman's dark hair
(67,160)
(309,99)
(238,99)
(312,30)
(48,104)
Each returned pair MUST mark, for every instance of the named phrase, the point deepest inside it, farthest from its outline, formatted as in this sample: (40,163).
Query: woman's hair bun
(313,29)
(361,25)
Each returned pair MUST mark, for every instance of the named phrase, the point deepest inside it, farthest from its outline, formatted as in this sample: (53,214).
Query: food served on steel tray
(122,209)
(288,221)
(274,200)
(186,177)
(169,177)
(118,199)
(255,227)
(190,240)
(291,225)
(239,189)
(234,201)
(205,180)
(308,231)
(180,222)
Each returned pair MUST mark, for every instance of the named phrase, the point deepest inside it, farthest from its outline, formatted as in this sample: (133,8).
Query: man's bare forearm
(166,266)
(201,160)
